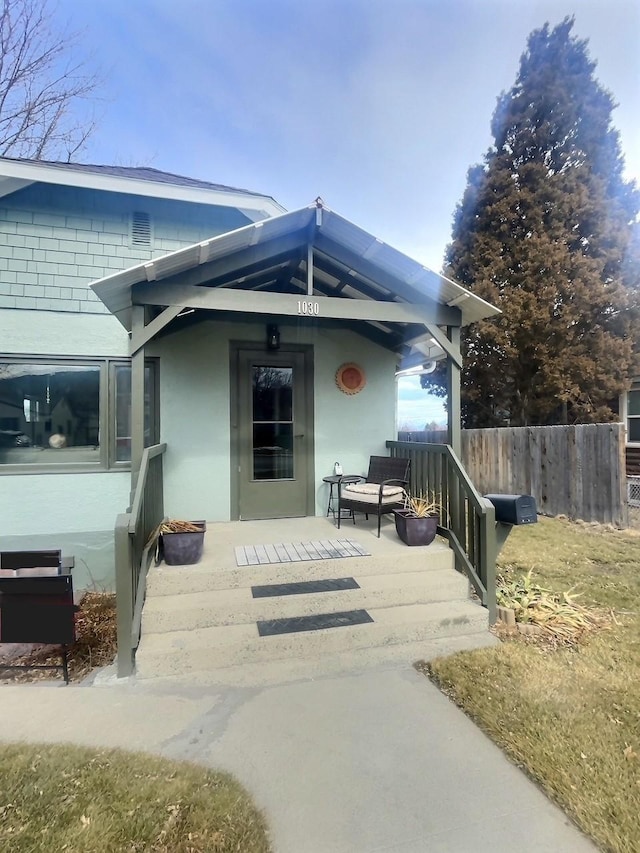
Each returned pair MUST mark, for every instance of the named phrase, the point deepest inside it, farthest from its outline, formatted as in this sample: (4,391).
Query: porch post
(137,397)
(454,437)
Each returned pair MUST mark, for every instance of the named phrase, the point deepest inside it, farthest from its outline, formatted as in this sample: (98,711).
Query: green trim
(106,455)
(140,337)
(466,518)
(137,399)
(134,553)
(454,425)
(235,350)
(285,304)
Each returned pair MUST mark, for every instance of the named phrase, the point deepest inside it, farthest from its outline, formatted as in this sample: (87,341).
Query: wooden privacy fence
(578,471)
(430,436)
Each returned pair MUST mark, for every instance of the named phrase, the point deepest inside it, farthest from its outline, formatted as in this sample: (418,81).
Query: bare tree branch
(42,86)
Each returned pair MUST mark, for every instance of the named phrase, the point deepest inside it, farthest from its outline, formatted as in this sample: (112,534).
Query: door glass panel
(272,393)
(272,432)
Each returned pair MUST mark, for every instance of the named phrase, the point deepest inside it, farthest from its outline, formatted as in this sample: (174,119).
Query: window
(633,415)
(122,410)
(73,414)
(272,423)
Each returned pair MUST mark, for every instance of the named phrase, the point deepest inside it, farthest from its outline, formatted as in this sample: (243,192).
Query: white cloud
(416,407)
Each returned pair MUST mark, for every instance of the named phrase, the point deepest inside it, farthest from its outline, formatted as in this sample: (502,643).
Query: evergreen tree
(542,232)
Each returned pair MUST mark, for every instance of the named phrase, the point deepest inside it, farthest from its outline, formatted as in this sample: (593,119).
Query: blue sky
(378,106)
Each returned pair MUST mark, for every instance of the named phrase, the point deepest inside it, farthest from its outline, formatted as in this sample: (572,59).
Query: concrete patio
(200,622)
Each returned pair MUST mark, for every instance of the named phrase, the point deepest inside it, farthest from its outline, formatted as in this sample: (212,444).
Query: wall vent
(140,228)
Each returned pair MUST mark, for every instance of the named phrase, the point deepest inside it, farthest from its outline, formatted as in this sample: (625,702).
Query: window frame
(635,388)
(106,461)
(154,393)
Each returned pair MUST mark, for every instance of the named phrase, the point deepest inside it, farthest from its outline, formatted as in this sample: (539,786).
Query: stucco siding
(73,512)
(195,411)
(47,333)
(62,503)
(55,240)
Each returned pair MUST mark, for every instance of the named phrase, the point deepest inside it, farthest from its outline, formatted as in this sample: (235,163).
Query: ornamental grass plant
(421,505)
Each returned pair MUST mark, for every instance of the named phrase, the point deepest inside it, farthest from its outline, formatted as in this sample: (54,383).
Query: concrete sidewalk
(363,763)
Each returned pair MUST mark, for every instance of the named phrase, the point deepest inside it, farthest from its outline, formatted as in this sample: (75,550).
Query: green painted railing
(467,519)
(134,548)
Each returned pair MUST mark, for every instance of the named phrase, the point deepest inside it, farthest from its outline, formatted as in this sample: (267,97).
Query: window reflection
(272,389)
(123,411)
(48,412)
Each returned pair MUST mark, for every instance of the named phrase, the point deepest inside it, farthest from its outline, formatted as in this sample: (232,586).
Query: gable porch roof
(355,279)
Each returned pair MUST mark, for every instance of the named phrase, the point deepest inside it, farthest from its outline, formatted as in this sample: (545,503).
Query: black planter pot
(183,549)
(415,531)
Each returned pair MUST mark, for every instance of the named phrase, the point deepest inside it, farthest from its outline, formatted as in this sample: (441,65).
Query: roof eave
(31,172)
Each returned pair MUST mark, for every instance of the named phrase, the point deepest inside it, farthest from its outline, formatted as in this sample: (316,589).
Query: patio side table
(333,480)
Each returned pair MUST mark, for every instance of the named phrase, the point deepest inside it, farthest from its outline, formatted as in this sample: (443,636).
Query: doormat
(295,624)
(298,552)
(303,587)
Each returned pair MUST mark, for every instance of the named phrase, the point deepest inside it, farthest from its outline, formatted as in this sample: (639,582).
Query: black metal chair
(379,493)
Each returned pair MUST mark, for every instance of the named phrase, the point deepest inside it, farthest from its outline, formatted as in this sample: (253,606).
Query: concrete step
(299,668)
(212,574)
(201,649)
(191,610)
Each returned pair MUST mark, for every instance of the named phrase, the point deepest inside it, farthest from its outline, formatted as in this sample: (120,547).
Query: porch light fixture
(273,337)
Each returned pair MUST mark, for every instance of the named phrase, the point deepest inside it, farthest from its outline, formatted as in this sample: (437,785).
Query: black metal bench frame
(34,598)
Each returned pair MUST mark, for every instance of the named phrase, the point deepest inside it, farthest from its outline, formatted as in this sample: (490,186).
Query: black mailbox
(514,509)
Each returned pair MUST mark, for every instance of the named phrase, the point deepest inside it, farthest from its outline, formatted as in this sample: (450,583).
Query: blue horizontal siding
(54,241)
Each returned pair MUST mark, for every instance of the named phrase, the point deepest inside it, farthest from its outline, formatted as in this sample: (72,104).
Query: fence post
(124,595)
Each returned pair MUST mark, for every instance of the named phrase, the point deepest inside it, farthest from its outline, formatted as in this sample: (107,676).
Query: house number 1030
(308,307)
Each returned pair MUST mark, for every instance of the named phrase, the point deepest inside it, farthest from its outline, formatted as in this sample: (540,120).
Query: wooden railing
(466,518)
(134,549)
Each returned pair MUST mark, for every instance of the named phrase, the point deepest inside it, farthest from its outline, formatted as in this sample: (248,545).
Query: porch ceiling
(272,257)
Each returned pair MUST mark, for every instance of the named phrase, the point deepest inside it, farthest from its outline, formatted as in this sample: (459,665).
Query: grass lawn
(570,716)
(65,798)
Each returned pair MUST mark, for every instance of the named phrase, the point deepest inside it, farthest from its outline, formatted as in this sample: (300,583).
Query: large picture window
(69,413)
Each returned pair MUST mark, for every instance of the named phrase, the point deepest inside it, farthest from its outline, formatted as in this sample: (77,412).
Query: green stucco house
(65,438)
(172,347)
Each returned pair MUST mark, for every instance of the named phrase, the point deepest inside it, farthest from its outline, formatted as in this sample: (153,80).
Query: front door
(274,440)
